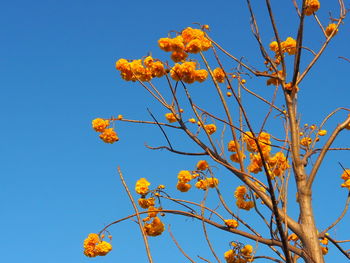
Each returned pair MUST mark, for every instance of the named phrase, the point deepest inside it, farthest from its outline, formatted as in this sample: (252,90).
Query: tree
(268,164)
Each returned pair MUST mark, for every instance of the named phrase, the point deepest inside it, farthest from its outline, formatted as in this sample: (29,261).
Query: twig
(179,247)
(137,215)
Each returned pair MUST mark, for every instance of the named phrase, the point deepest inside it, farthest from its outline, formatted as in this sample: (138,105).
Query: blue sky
(59,181)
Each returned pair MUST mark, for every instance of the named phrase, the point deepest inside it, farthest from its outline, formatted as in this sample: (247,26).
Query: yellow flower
(235,158)
(122,64)
(230,256)
(324,241)
(165,44)
(93,246)
(263,139)
(311,6)
(141,186)
(289,46)
(157,69)
(256,164)
(184,72)
(247,250)
(103,248)
(152,212)
(293,237)
(228,94)
(306,141)
(219,75)
(274,46)
(322,132)
(184,176)
(231,147)
(330,29)
(324,250)
(200,75)
(346,184)
(212,182)
(189,34)
(278,164)
(99,124)
(246,205)
(170,117)
(194,46)
(240,192)
(109,136)
(179,56)
(177,44)
(231,223)
(146,203)
(202,165)
(346,174)
(183,187)
(210,128)
(192,120)
(155,228)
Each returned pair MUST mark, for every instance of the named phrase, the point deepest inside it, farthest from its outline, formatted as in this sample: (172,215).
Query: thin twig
(145,240)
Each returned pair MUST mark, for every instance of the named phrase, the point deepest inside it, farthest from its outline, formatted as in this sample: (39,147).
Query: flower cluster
(140,70)
(146,202)
(94,246)
(155,228)
(346,177)
(287,46)
(170,117)
(306,141)
(107,135)
(330,29)
(219,75)
(231,223)
(141,186)
(188,72)
(239,255)
(324,241)
(206,183)
(275,79)
(184,177)
(203,182)
(210,128)
(243,199)
(263,140)
(232,147)
(311,6)
(277,164)
(189,41)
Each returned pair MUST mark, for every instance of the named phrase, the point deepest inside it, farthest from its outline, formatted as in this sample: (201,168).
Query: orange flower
(330,29)
(179,56)
(155,228)
(219,75)
(306,141)
(202,165)
(165,44)
(231,223)
(311,6)
(200,75)
(183,187)
(184,176)
(109,136)
(141,186)
(99,124)
(170,117)
(210,128)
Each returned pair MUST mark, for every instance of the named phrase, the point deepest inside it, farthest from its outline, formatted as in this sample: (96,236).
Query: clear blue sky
(59,181)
